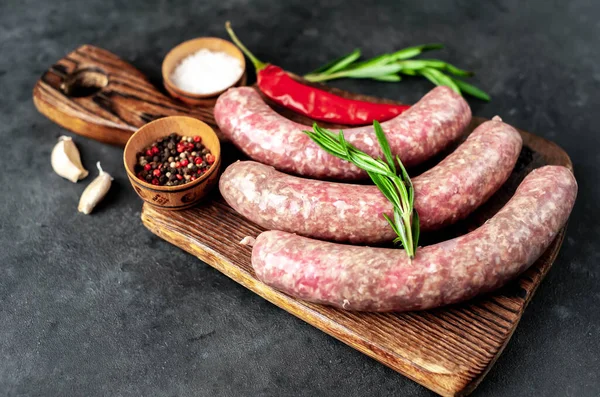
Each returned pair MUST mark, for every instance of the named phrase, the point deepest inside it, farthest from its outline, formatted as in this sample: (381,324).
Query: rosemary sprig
(394,184)
(388,67)
(339,63)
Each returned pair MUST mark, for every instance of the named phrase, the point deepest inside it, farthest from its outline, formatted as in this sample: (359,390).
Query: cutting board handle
(94,93)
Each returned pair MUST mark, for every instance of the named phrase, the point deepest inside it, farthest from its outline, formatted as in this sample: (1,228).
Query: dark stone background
(98,306)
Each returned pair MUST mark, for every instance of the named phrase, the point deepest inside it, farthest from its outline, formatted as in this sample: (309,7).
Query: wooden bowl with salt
(190,47)
(172,197)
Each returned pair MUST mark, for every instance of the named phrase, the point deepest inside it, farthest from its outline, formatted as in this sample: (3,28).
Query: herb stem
(389,67)
(395,186)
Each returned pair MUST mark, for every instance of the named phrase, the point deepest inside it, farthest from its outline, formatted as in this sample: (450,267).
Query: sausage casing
(422,131)
(353,213)
(381,279)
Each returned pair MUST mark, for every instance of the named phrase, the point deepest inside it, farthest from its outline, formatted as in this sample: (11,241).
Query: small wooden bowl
(177,54)
(172,197)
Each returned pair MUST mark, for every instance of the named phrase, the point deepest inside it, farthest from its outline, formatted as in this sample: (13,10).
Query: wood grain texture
(115,111)
(448,350)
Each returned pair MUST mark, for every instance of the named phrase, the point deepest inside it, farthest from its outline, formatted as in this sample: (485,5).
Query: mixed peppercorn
(173,160)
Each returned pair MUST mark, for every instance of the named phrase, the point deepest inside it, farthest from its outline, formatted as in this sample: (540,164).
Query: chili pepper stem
(258,65)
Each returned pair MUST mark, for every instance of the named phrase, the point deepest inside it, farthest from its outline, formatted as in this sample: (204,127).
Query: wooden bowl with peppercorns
(173,162)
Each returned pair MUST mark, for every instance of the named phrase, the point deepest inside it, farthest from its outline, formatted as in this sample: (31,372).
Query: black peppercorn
(172,160)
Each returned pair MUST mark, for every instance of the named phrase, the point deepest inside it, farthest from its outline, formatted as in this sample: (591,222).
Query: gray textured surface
(97,305)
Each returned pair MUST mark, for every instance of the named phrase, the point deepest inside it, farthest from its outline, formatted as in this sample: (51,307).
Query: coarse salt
(206,71)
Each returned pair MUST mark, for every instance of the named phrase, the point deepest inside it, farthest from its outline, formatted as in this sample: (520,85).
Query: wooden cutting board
(448,350)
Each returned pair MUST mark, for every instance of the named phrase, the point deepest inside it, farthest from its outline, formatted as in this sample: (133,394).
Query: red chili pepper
(315,103)
(318,104)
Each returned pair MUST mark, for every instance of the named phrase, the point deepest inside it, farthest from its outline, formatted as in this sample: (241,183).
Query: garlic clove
(95,191)
(66,161)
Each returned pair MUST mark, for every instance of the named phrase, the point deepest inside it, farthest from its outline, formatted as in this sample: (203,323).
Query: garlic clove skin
(95,191)
(66,161)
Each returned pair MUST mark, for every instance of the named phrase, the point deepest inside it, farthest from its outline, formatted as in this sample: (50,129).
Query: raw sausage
(382,279)
(416,135)
(353,213)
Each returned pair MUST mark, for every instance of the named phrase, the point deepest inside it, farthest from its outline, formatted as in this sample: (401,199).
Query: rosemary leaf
(385,145)
(344,144)
(457,71)
(417,64)
(366,162)
(403,232)
(416,229)
(436,64)
(394,227)
(326,143)
(390,78)
(378,60)
(472,90)
(409,72)
(411,52)
(439,78)
(405,176)
(409,186)
(370,72)
(387,188)
(339,63)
